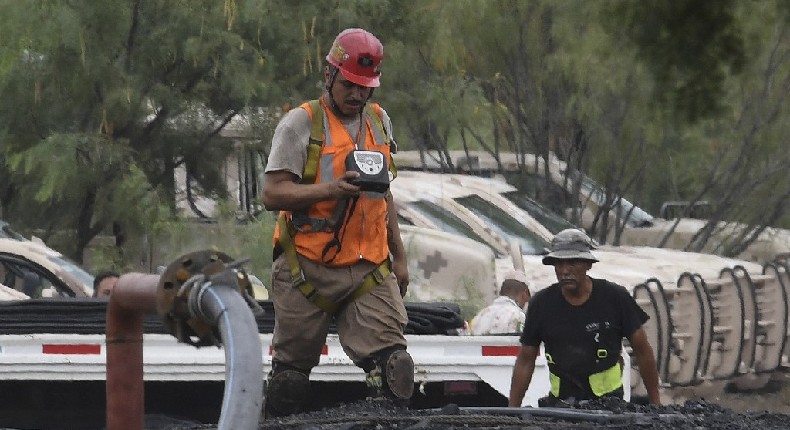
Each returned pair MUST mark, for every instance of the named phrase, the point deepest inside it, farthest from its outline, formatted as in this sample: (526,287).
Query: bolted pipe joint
(232,279)
(206,299)
(187,278)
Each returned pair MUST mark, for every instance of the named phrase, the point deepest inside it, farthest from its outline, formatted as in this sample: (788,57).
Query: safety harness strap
(307,289)
(378,127)
(316,141)
(302,222)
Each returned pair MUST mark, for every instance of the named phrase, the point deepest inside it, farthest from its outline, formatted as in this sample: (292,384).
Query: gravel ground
(768,408)
(599,414)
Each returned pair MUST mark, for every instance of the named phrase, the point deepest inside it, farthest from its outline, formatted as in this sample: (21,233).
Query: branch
(132,35)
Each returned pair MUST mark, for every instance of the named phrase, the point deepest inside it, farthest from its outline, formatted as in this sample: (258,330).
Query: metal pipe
(221,305)
(133,296)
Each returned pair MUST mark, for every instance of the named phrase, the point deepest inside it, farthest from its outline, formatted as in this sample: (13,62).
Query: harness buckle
(299,280)
(378,276)
(602,353)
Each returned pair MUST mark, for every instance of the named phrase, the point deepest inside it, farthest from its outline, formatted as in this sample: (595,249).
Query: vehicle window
(31,279)
(74,270)
(634,215)
(553,222)
(445,219)
(504,224)
(551,195)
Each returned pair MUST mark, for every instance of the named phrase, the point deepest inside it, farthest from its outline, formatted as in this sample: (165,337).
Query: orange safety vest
(365,232)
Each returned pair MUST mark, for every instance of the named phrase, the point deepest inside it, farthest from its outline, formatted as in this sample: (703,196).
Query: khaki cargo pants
(366,325)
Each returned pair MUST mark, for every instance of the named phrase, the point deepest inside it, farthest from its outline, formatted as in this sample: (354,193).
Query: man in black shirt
(582,322)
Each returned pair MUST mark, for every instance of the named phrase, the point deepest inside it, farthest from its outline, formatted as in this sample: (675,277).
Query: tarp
(88,316)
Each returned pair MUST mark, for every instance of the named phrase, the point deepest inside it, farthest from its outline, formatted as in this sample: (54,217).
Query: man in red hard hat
(357,54)
(338,254)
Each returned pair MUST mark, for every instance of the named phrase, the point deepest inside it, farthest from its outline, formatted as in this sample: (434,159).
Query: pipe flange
(172,297)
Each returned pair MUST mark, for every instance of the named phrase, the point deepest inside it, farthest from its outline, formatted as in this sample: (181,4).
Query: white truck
(53,356)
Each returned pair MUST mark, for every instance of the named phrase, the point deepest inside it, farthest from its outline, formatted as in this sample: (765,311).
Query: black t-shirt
(573,335)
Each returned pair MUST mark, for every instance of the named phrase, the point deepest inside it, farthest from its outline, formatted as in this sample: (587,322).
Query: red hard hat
(357,54)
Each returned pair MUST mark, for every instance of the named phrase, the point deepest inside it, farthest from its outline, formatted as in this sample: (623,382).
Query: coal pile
(597,414)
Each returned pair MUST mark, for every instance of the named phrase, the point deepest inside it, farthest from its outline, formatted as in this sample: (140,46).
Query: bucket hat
(570,244)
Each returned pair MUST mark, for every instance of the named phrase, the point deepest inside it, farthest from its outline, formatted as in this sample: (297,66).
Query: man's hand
(522,374)
(646,360)
(400,264)
(282,191)
(342,188)
(401,270)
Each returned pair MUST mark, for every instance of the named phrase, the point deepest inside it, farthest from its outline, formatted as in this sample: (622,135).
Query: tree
(691,47)
(747,178)
(148,85)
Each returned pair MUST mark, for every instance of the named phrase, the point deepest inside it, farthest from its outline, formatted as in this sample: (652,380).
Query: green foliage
(252,240)
(99,88)
(691,47)
(101,103)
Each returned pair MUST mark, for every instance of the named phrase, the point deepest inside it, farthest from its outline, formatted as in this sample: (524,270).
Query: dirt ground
(774,397)
(609,414)
(778,402)
(604,414)
(694,409)
(709,406)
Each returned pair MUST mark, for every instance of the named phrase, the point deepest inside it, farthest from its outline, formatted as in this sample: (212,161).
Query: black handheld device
(373,170)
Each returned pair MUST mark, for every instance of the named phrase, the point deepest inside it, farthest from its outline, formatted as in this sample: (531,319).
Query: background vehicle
(35,270)
(31,269)
(445,267)
(639,227)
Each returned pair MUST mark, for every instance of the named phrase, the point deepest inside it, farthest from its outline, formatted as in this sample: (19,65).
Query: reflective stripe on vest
(554,381)
(601,383)
(606,381)
(364,235)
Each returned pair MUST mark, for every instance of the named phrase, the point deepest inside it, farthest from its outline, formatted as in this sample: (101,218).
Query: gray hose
(224,308)
(560,413)
(594,415)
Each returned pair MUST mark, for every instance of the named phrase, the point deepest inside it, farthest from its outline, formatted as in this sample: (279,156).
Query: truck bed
(58,346)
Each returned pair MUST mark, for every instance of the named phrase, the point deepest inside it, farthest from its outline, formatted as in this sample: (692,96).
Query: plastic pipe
(223,307)
(133,296)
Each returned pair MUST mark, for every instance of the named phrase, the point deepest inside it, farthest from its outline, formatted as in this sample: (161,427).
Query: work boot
(399,380)
(286,394)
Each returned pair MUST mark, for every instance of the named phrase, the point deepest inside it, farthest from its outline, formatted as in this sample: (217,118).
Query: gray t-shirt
(292,135)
